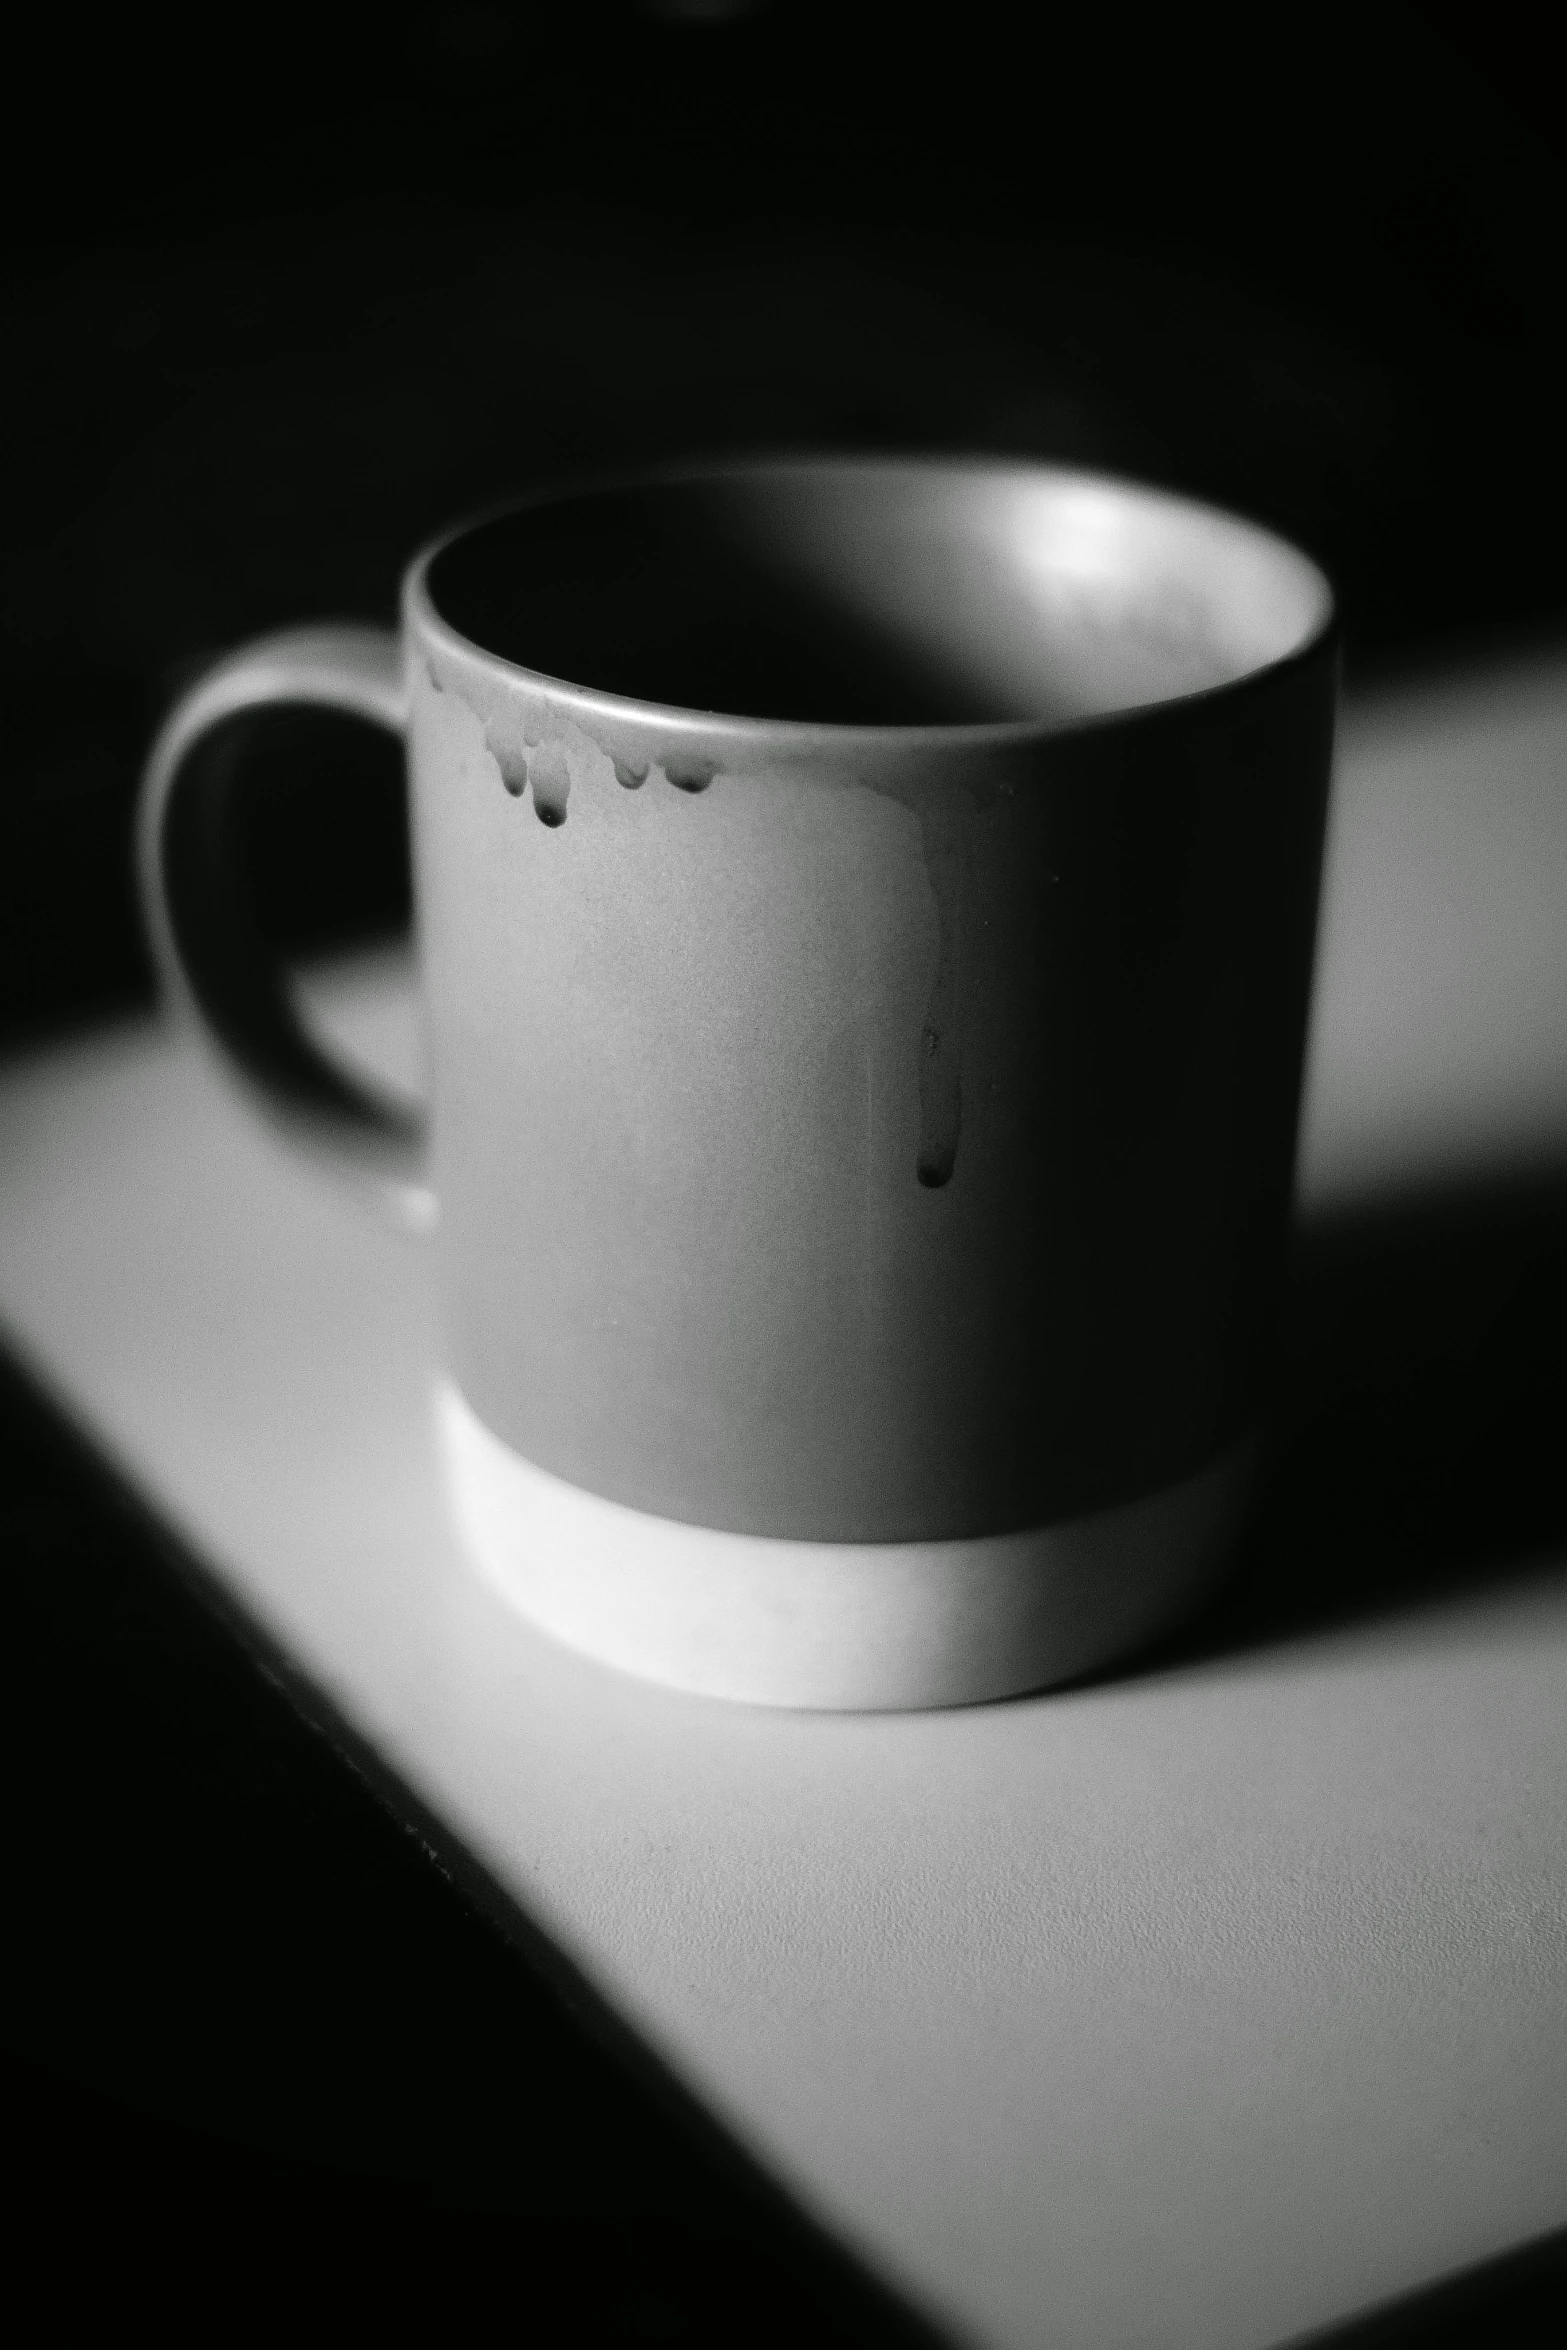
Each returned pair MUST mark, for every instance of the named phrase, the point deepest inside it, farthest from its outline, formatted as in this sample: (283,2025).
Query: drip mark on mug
(941,1111)
(941,1051)
(690,775)
(631,774)
(545,769)
(551,784)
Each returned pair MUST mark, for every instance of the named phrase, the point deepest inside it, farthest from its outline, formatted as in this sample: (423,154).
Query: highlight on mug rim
(1142,598)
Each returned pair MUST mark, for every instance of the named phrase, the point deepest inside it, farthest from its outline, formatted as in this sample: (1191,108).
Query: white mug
(866,914)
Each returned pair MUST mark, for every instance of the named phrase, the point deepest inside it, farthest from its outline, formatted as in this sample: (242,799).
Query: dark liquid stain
(945,827)
(545,769)
(692,775)
(941,1113)
(551,784)
(631,774)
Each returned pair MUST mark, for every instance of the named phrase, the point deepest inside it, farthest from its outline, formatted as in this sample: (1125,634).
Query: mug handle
(210,957)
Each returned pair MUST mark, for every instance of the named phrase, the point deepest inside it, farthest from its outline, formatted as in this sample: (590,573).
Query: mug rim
(603,703)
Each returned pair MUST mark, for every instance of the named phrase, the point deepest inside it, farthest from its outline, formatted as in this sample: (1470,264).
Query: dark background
(286,289)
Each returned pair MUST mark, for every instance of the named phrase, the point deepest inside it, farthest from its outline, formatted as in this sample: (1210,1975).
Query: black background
(284,291)
(289,288)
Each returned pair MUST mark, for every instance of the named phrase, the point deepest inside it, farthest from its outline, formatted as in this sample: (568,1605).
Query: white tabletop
(1205,2006)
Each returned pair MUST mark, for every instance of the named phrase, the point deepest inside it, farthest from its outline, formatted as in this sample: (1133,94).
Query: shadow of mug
(1417,1436)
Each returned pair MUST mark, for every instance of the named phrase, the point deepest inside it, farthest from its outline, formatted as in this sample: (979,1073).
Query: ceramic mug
(865,912)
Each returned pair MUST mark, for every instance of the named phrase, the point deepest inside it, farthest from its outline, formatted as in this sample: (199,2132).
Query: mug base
(835,1626)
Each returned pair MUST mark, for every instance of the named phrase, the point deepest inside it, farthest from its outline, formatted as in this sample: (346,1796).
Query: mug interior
(881,593)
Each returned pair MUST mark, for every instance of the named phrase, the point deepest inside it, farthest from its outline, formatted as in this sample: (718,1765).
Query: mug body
(866,913)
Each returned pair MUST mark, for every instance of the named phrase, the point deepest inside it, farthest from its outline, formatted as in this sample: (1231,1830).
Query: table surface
(1209,2004)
